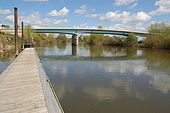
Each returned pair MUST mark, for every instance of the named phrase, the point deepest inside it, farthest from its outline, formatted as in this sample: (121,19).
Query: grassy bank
(6,42)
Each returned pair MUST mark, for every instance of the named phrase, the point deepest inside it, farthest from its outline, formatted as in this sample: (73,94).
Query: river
(5,59)
(108,79)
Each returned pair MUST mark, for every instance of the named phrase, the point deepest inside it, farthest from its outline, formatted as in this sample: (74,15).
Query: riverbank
(6,42)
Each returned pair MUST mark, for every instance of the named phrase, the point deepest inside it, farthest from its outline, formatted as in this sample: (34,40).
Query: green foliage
(100,39)
(161,28)
(29,32)
(132,40)
(94,38)
(37,38)
(6,42)
(50,38)
(62,38)
(162,39)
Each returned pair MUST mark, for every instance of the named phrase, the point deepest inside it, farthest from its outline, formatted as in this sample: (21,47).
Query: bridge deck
(21,86)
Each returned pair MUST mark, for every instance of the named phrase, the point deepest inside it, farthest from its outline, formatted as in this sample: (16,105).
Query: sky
(130,15)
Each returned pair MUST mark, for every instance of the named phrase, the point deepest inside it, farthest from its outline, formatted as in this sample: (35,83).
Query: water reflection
(74,50)
(122,80)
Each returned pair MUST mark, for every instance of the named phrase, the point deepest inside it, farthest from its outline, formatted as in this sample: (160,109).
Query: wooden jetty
(25,88)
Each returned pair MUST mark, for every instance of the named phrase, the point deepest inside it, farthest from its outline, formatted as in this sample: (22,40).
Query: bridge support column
(74,40)
(74,50)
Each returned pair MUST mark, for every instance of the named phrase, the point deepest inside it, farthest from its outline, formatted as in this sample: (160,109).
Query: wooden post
(22,35)
(16,30)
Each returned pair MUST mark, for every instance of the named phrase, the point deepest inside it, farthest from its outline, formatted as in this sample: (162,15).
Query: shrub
(160,36)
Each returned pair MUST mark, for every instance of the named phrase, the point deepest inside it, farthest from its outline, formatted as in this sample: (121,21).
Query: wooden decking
(22,86)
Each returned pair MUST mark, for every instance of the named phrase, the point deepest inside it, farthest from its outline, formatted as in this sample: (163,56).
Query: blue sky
(134,15)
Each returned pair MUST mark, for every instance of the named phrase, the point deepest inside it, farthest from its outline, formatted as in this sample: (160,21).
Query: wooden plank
(20,88)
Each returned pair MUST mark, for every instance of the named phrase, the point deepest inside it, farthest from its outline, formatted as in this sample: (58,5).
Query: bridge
(75,31)
(80,31)
(88,31)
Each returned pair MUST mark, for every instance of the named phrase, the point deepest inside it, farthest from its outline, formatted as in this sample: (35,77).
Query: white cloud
(61,21)
(36,0)
(133,5)
(9,18)
(126,17)
(61,13)
(137,28)
(5,11)
(36,19)
(92,15)
(85,25)
(123,2)
(164,7)
(83,10)
(160,81)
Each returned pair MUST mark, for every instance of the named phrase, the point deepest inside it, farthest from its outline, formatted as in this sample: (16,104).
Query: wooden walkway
(23,89)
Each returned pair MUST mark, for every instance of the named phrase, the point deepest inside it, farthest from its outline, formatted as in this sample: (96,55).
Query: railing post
(16,30)
(22,23)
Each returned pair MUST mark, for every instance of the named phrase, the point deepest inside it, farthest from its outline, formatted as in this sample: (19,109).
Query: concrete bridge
(75,31)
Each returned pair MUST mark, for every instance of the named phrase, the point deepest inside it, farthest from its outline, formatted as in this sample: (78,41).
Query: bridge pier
(74,40)
(74,50)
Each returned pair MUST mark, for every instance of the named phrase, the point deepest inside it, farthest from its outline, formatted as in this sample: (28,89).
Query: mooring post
(22,23)
(16,30)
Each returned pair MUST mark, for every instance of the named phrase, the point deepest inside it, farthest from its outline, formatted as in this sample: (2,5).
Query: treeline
(160,36)
(100,39)
(41,38)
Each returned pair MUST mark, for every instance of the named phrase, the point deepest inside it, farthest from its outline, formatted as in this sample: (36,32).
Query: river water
(5,59)
(108,79)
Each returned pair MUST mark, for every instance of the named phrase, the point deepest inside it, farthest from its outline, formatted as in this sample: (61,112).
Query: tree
(29,32)
(161,28)
(160,36)
(62,38)
(50,38)
(132,40)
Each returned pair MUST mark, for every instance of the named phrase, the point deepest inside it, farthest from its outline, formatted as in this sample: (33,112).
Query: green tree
(62,38)
(159,28)
(50,38)
(132,40)
(29,33)
(159,36)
